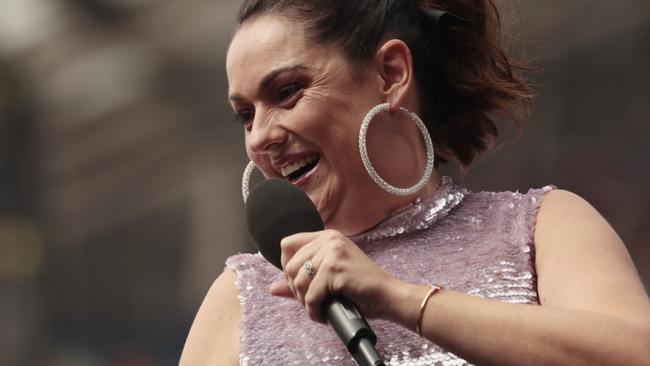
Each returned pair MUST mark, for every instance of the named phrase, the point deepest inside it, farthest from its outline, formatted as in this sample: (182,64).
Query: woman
(448,276)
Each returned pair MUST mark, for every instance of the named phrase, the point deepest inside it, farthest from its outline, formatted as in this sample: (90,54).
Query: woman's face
(301,106)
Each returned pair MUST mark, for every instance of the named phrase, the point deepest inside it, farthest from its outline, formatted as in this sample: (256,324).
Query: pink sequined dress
(477,243)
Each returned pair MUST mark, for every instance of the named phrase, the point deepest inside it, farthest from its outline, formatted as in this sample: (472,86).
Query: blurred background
(120,168)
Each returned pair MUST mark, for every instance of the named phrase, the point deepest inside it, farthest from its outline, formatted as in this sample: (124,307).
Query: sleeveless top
(477,243)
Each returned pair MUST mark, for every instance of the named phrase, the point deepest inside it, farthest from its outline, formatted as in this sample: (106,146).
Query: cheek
(249,152)
(330,123)
(262,163)
(312,110)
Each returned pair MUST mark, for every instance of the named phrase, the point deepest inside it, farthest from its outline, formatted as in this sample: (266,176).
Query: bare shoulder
(564,218)
(214,336)
(582,263)
(558,206)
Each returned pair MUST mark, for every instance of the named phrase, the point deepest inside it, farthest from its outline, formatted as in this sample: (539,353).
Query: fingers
(327,250)
(296,263)
(296,250)
(303,280)
(315,295)
(293,243)
(281,288)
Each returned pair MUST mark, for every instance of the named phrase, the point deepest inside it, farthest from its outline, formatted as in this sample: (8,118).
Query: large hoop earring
(371,170)
(246,179)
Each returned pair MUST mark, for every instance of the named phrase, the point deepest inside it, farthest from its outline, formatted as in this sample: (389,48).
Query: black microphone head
(276,209)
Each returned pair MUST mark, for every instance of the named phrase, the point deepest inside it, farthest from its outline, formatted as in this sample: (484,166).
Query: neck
(365,216)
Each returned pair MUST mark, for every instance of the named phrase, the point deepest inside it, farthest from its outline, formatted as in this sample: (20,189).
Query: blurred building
(114,145)
(120,170)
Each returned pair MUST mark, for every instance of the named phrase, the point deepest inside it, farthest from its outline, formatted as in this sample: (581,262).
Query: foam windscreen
(276,209)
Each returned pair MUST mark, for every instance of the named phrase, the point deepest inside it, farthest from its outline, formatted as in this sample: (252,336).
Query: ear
(395,65)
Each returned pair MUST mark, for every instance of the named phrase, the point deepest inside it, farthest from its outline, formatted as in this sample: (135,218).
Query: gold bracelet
(434,289)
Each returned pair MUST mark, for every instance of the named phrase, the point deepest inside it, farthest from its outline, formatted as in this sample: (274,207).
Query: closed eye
(284,93)
(283,97)
(244,117)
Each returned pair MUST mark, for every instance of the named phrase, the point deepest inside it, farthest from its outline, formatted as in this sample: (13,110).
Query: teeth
(290,168)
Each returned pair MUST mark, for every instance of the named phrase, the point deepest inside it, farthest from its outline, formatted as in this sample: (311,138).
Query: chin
(323,207)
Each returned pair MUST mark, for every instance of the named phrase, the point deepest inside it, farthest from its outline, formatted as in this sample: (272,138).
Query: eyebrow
(268,79)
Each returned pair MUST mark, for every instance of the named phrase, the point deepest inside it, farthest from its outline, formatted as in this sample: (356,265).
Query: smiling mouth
(299,168)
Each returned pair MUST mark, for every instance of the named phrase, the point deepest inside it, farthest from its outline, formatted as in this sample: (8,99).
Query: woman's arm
(214,336)
(594,308)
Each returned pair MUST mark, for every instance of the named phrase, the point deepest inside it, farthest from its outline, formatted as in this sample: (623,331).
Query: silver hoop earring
(371,170)
(246,179)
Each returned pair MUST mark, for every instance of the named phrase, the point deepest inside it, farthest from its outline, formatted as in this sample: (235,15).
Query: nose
(265,135)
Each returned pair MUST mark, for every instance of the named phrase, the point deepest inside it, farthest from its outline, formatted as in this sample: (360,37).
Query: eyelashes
(243,117)
(287,91)
(283,97)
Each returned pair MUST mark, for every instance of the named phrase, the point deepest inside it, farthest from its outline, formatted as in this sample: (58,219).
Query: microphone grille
(276,209)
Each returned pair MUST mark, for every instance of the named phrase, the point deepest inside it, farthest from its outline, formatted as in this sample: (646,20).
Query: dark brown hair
(463,76)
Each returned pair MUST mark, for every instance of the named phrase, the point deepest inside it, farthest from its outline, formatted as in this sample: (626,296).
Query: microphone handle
(353,329)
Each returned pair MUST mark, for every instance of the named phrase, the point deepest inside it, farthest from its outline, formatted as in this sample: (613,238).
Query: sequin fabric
(476,243)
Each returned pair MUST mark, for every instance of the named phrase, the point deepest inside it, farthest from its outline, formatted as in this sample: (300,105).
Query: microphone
(276,209)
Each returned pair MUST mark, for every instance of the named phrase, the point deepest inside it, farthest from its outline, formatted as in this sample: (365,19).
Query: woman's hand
(341,269)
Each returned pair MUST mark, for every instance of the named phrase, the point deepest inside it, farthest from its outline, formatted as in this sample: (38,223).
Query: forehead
(266,43)
(262,35)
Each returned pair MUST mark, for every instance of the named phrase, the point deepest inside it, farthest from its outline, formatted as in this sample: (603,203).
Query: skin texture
(594,310)
(317,106)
